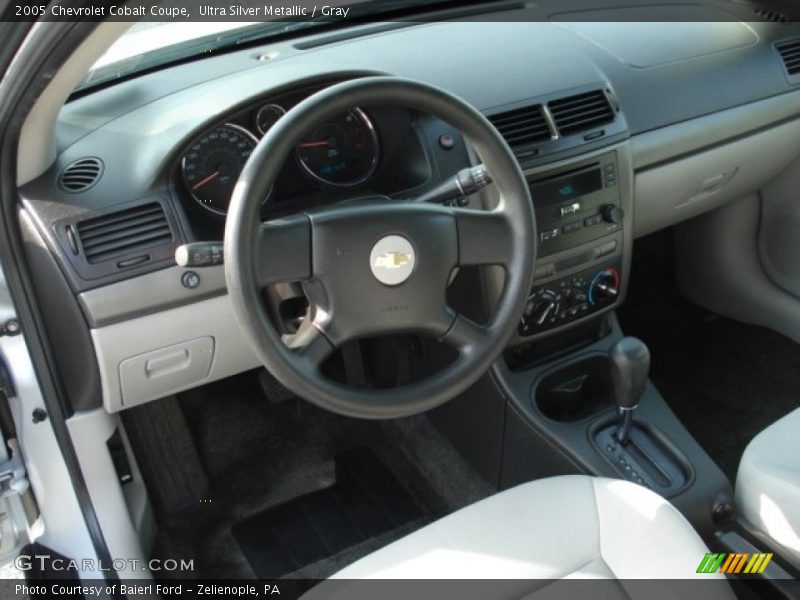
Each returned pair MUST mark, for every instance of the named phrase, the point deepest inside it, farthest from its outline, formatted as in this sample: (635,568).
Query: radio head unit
(578,206)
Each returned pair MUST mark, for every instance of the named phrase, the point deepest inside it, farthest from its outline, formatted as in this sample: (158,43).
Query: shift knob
(630,365)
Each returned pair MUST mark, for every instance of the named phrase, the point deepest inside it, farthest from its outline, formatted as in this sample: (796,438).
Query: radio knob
(611,213)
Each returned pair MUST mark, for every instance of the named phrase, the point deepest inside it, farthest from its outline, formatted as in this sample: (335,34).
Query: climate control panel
(559,302)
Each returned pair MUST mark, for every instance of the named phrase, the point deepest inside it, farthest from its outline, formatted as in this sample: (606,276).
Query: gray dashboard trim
(136,338)
(151,293)
(674,141)
(698,183)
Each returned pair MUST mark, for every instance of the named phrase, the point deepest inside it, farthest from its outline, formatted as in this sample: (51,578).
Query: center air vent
(124,233)
(790,54)
(80,175)
(522,126)
(581,112)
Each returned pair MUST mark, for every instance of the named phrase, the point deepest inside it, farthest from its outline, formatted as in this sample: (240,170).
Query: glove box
(158,373)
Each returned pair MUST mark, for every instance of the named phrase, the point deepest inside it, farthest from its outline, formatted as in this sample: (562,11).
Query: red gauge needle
(205,180)
(315,144)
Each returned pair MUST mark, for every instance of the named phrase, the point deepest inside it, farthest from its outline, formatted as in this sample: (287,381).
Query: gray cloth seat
(562,527)
(768,485)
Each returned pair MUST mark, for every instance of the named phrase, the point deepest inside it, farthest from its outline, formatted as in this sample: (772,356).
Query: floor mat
(365,502)
(258,455)
(724,379)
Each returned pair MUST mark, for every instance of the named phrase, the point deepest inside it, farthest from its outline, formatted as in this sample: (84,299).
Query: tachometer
(342,151)
(213,162)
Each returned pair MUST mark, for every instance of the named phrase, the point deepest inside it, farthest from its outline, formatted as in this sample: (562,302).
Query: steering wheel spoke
(466,335)
(312,347)
(283,251)
(484,237)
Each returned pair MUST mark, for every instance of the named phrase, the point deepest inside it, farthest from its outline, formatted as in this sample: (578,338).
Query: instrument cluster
(342,152)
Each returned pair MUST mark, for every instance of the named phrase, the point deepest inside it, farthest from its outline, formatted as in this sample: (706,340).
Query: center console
(566,398)
(581,213)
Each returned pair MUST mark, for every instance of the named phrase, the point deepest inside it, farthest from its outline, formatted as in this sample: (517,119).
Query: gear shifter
(640,453)
(630,365)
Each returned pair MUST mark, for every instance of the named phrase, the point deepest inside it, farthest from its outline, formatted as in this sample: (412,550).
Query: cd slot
(551,269)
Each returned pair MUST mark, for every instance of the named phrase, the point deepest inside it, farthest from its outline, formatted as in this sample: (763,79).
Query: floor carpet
(365,502)
(724,379)
(270,467)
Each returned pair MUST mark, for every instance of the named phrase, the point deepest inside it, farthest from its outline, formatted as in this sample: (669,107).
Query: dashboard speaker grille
(522,127)
(80,175)
(790,54)
(581,112)
(771,15)
(123,233)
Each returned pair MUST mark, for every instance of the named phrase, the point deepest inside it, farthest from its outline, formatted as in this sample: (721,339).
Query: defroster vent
(124,233)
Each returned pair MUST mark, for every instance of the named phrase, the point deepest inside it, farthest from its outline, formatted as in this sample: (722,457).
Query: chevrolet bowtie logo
(392,260)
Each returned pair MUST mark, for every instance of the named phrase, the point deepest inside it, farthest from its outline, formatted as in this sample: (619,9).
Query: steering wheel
(380,267)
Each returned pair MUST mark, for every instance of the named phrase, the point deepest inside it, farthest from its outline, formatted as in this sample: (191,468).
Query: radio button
(605,249)
(549,234)
(570,209)
(570,227)
(593,220)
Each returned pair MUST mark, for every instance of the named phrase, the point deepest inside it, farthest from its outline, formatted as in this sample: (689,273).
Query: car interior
(507,291)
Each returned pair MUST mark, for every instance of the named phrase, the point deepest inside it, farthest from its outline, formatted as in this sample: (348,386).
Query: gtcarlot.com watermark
(41,562)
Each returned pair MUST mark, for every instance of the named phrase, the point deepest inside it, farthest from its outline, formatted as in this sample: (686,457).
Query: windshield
(151,44)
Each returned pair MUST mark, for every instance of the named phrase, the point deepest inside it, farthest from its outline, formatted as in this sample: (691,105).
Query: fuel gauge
(267,116)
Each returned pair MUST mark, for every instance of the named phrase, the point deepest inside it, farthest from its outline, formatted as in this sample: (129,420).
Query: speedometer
(212,164)
(342,151)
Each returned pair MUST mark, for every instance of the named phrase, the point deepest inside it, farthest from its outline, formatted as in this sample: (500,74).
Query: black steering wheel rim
(509,231)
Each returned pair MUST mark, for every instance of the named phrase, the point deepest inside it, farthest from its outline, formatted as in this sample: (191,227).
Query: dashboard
(666,131)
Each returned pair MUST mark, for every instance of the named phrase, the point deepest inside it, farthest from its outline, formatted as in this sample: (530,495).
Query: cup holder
(576,391)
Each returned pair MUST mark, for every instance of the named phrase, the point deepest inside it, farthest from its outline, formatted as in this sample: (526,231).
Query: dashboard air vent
(522,126)
(124,232)
(80,175)
(581,112)
(790,54)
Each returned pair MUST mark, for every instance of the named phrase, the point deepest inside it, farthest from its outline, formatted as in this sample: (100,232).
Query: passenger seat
(768,485)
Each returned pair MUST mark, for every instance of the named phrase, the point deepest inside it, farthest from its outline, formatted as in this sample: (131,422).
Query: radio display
(567,187)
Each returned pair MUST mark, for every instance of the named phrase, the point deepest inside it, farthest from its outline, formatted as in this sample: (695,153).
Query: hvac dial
(342,151)
(212,164)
